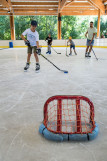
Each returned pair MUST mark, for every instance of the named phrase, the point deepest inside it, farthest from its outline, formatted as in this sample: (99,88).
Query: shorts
(88,42)
(72,46)
(30,48)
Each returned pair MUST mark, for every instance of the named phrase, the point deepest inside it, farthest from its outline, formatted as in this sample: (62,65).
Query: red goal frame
(58,114)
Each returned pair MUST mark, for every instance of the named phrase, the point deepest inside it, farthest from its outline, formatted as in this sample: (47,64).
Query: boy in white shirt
(91,31)
(33,43)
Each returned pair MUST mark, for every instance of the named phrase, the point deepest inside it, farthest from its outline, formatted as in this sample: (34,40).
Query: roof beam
(34,7)
(62,4)
(73,3)
(85,12)
(34,3)
(6,4)
(105,1)
(99,4)
(69,3)
(77,9)
(33,10)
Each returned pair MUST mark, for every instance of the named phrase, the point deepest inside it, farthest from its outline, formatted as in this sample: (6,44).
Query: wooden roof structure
(53,7)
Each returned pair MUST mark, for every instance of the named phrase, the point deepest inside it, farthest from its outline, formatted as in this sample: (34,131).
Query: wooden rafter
(99,4)
(104,1)
(80,12)
(6,4)
(53,7)
(62,4)
(69,3)
(35,3)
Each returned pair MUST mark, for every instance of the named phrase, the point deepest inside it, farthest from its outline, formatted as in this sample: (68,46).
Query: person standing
(91,31)
(32,42)
(72,45)
(49,43)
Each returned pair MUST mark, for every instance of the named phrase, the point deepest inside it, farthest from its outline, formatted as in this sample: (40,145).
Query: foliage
(68,27)
(5,28)
(46,25)
(74,26)
(103,25)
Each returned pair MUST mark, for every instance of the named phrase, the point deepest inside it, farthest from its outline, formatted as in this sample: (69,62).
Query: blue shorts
(72,46)
(90,44)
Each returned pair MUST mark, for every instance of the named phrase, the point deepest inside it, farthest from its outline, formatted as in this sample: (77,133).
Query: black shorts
(72,46)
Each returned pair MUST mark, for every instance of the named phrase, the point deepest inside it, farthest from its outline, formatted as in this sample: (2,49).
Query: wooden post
(59,26)
(98,24)
(12,27)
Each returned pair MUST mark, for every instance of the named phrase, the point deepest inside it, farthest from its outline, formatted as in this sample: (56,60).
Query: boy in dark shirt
(49,43)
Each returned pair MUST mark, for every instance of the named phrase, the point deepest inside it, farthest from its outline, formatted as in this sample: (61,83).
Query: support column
(98,24)
(12,27)
(59,26)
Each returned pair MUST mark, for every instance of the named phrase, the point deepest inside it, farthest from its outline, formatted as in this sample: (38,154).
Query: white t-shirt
(91,31)
(32,37)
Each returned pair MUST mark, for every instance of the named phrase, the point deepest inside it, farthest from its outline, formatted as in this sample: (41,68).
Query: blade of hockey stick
(94,54)
(55,50)
(3,48)
(65,71)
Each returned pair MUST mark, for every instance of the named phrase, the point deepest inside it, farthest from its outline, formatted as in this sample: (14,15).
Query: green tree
(68,27)
(103,25)
(5,28)
(46,25)
(74,26)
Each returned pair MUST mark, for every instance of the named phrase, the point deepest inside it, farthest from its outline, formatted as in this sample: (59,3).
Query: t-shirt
(49,40)
(32,37)
(91,31)
(71,43)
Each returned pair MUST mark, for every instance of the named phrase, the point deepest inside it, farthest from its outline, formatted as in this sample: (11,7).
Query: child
(49,43)
(72,45)
(33,43)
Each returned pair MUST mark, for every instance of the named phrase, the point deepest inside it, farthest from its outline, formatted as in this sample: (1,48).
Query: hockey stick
(55,50)
(66,52)
(3,48)
(94,54)
(65,71)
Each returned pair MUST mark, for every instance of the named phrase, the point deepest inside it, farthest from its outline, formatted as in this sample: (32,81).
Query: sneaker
(75,53)
(47,52)
(27,66)
(70,53)
(37,67)
(86,54)
(89,55)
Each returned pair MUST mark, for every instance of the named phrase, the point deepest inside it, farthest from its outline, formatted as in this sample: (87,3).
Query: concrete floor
(22,97)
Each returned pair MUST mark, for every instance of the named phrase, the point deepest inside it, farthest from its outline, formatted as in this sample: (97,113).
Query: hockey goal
(69,115)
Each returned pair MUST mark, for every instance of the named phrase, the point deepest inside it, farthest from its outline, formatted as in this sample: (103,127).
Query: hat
(70,37)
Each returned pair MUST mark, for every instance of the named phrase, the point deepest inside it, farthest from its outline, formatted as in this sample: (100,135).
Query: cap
(70,37)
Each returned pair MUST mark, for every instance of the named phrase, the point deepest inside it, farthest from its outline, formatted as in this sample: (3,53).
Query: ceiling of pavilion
(53,7)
